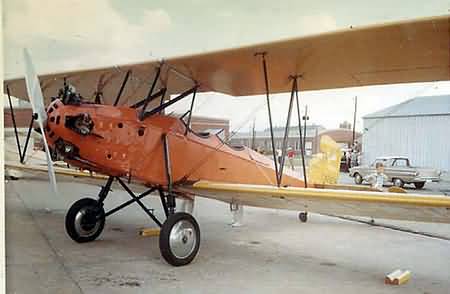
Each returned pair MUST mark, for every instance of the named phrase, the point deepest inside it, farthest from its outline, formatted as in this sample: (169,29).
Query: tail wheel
(179,239)
(398,183)
(85,220)
(358,179)
(303,217)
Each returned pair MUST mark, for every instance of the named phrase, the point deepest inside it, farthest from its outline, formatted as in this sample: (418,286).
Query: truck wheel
(358,179)
(398,183)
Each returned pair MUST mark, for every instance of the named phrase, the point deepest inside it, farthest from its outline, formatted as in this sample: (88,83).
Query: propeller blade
(51,170)
(37,103)
(34,88)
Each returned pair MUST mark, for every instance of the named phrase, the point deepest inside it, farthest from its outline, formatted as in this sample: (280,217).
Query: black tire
(358,178)
(419,185)
(85,220)
(165,242)
(303,217)
(398,182)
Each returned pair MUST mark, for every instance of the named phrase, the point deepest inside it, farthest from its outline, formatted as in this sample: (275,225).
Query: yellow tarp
(324,166)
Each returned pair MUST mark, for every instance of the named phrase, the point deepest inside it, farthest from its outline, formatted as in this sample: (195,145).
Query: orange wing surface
(400,52)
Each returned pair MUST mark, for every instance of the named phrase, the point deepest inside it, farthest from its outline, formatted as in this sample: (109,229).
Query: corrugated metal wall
(424,139)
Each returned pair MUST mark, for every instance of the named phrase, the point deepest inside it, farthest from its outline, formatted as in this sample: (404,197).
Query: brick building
(262,140)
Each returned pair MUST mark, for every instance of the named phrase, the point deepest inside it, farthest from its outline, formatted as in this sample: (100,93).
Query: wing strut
(190,112)
(302,147)
(294,94)
(149,98)
(172,101)
(161,93)
(168,168)
(266,80)
(142,114)
(127,75)
(23,153)
(286,133)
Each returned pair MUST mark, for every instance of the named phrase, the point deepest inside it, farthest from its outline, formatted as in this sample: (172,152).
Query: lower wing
(63,174)
(329,201)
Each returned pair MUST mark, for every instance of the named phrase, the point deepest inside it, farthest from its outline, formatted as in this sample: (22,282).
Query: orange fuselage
(122,145)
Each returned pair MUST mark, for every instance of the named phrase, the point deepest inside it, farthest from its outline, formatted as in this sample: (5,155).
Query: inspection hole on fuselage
(120,125)
(109,156)
(141,131)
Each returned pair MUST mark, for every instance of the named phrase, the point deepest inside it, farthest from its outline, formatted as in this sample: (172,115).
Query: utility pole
(253,135)
(305,118)
(354,120)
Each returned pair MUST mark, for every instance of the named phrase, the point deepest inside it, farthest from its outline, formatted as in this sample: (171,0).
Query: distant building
(22,111)
(345,125)
(263,142)
(211,125)
(22,116)
(344,137)
(418,128)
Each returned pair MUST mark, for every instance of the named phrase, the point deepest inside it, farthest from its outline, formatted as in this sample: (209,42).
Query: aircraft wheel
(303,217)
(85,220)
(179,239)
(419,185)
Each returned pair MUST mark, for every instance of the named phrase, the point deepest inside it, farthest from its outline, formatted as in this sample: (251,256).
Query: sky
(74,34)
(327,108)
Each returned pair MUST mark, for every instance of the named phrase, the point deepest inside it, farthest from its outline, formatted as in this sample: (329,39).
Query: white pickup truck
(399,172)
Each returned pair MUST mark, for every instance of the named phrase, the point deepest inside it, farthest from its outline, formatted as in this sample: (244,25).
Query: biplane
(112,121)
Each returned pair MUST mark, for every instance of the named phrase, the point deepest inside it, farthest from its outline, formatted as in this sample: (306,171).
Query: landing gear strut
(179,238)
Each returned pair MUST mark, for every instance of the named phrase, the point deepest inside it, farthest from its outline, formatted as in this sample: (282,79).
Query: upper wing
(330,201)
(408,51)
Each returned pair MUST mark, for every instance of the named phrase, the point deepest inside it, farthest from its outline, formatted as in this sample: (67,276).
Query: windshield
(384,161)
